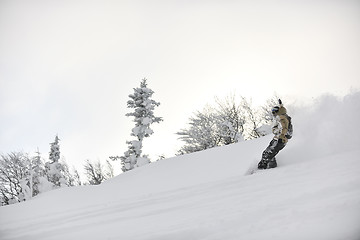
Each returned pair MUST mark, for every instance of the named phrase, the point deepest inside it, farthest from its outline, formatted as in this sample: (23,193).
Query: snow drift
(313,194)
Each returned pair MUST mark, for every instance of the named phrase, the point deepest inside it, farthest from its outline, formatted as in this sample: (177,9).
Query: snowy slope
(313,194)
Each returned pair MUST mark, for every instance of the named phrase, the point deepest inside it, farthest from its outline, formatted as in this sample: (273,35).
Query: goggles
(275,110)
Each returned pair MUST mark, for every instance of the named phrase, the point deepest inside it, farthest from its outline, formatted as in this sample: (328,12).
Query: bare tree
(252,120)
(95,172)
(265,111)
(202,132)
(14,170)
(228,123)
(231,120)
(70,178)
(23,177)
(109,171)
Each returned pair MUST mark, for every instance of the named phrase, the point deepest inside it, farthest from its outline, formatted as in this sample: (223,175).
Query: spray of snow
(329,126)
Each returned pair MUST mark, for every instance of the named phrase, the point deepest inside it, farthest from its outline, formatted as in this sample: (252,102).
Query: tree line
(228,121)
(23,177)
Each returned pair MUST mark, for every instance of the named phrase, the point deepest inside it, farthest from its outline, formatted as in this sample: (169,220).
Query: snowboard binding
(263,164)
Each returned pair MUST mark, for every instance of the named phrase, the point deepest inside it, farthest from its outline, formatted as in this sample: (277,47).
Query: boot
(272,163)
(262,164)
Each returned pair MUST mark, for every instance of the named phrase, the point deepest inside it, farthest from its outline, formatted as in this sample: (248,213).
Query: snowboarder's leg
(268,156)
(263,164)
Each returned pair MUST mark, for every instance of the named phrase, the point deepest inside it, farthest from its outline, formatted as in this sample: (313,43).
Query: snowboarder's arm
(284,124)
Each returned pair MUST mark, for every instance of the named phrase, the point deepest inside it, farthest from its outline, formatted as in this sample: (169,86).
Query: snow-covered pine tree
(54,168)
(54,155)
(143,115)
(36,173)
(40,182)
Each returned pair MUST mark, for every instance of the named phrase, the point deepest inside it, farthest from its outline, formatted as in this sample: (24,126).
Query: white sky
(67,67)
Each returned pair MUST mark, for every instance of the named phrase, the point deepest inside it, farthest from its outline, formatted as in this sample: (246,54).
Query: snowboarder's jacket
(281,125)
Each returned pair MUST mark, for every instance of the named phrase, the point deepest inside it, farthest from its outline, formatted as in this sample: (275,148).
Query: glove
(282,139)
(276,130)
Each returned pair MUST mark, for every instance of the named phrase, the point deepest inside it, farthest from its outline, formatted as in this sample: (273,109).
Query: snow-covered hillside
(313,194)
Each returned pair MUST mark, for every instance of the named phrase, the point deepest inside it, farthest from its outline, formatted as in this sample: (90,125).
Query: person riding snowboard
(280,130)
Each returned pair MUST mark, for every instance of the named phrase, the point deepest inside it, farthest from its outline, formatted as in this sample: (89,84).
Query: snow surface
(313,194)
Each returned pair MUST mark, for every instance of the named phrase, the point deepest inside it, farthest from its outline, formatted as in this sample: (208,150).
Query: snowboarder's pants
(272,150)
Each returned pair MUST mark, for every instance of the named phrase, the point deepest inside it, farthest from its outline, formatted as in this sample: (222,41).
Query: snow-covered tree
(54,169)
(253,122)
(54,155)
(143,115)
(23,177)
(213,127)
(109,170)
(70,178)
(265,111)
(38,174)
(231,120)
(265,116)
(40,182)
(202,132)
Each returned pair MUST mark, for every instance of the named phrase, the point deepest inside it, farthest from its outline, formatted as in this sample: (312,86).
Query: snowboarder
(280,130)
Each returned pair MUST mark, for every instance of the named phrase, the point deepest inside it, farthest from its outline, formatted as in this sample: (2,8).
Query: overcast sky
(67,67)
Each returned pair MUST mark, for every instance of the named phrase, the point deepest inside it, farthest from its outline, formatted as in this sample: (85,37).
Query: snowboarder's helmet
(275,110)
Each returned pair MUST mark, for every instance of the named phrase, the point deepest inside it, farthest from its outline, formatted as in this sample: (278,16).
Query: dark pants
(268,156)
